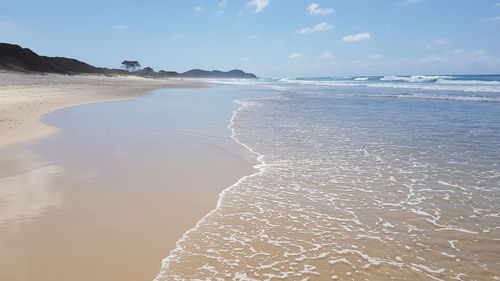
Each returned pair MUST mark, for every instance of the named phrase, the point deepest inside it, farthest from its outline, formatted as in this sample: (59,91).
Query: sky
(271,38)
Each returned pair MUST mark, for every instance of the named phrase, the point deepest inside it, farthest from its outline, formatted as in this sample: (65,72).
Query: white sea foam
(432,96)
(414,79)
(467,82)
(440,87)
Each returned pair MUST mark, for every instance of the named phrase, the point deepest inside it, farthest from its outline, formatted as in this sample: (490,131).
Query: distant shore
(25,98)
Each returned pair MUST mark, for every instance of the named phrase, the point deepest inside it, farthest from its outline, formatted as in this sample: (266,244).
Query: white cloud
(120,27)
(253,37)
(430,44)
(258,4)
(356,37)
(440,42)
(198,9)
(409,2)
(326,55)
(475,58)
(497,18)
(376,57)
(222,4)
(355,62)
(246,59)
(496,4)
(296,55)
(314,9)
(317,28)
(433,59)
(221,7)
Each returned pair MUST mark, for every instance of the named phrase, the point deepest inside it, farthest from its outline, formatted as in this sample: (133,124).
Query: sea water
(360,178)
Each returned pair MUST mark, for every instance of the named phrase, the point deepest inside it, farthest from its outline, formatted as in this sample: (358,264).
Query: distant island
(16,58)
(236,73)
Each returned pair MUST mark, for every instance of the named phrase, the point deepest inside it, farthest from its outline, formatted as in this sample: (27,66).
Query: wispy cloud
(198,9)
(222,4)
(497,18)
(120,27)
(326,55)
(409,2)
(376,57)
(496,5)
(356,37)
(440,42)
(246,59)
(314,9)
(317,28)
(433,59)
(297,55)
(457,60)
(430,44)
(253,37)
(258,5)
(221,7)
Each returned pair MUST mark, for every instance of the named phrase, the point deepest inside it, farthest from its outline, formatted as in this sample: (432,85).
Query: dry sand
(24,98)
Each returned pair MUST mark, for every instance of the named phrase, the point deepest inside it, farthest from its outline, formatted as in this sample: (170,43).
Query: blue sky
(272,38)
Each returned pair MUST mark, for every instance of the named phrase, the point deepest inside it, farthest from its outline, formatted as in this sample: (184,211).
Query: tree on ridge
(130,65)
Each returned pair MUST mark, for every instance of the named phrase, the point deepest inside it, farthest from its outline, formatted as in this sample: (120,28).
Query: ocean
(360,178)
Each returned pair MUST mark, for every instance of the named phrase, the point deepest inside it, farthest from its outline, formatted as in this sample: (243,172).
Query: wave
(441,87)
(426,79)
(467,82)
(414,79)
(392,95)
(441,97)
(319,82)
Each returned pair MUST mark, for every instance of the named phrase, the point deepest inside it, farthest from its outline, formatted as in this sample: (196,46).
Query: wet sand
(108,197)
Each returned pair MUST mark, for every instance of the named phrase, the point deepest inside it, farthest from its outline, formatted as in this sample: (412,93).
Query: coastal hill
(16,58)
(235,73)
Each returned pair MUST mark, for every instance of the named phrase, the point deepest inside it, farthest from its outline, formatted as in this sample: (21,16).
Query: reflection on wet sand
(26,186)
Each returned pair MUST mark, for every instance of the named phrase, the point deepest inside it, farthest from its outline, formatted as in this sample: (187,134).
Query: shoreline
(26,98)
(259,168)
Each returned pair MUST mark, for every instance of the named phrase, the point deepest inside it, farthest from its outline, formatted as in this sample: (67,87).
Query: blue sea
(360,178)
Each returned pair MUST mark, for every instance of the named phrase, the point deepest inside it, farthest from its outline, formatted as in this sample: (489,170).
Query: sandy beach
(89,204)
(25,98)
